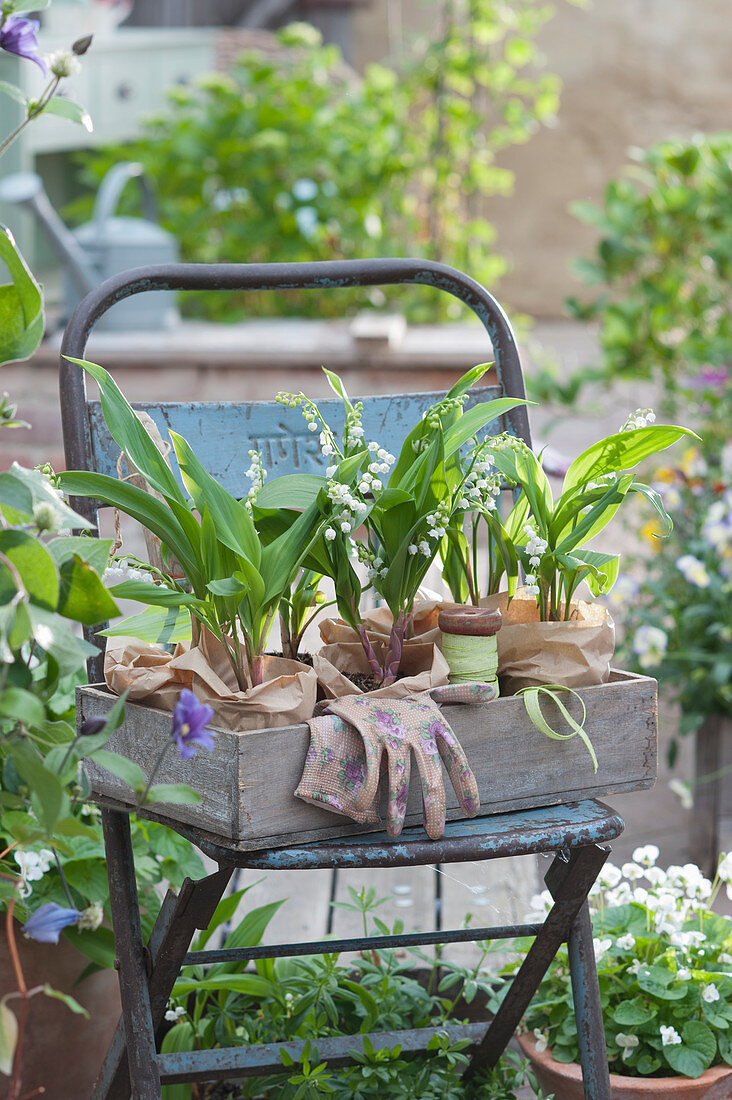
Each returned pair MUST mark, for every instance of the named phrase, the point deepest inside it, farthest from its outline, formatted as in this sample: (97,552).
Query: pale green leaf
(66,108)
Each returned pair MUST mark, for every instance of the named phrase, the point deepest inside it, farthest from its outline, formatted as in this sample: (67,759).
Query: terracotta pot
(62,1051)
(565,1080)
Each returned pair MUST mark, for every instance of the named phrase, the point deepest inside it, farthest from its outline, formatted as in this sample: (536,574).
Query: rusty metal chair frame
(575,832)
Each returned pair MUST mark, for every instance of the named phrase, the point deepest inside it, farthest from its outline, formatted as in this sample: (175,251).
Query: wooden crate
(246,783)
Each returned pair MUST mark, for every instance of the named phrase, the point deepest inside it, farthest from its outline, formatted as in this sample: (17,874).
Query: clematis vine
(19,36)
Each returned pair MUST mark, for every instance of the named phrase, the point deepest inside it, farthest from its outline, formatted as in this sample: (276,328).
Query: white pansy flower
(627,1044)
(669,1036)
(609,876)
(601,947)
(631,871)
(693,570)
(683,974)
(725,868)
(647,855)
(649,645)
(626,942)
(542,1040)
(710,993)
(683,792)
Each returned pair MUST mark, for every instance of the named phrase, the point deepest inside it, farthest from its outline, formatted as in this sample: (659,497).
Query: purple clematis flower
(46,924)
(190,719)
(18,36)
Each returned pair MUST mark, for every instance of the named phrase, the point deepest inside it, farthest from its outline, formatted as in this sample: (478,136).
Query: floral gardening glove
(335,769)
(399,727)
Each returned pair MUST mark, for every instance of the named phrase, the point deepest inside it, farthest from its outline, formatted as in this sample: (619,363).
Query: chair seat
(522,832)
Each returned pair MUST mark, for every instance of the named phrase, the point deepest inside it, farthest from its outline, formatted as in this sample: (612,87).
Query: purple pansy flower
(18,36)
(47,923)
(190,719)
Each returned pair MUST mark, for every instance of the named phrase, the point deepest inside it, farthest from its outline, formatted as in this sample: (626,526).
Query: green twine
(472,658)
(533,709)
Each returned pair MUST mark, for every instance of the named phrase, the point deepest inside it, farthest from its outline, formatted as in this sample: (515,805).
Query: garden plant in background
(230,1005)
(322,163)
(52,866)
(677,617)
(665,972)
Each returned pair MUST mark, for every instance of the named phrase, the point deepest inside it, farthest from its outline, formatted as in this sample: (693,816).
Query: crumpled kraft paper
(575,653)
(422,663)
(152,675)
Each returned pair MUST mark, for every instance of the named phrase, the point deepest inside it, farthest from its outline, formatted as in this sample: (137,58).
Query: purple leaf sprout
(46,924)
(190,719)
(18,36)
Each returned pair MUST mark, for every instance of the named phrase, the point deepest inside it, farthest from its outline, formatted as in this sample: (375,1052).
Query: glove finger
(433,792)
(461,776)
(399,769)
(367,794)
(470,693)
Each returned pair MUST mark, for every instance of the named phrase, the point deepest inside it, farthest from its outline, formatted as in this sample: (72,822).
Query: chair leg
(569,881)
(180,915)
(588,1009)
(130,960)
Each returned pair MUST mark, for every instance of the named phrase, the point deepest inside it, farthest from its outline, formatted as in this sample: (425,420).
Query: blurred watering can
(107,244)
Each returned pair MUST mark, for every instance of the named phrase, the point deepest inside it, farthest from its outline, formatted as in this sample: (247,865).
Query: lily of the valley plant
(399,512)
(239,561)
(549,537)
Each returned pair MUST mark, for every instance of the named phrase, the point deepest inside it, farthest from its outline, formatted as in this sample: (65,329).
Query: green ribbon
(533,709)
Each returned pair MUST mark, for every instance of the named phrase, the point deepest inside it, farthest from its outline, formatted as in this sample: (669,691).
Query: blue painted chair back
(221,434)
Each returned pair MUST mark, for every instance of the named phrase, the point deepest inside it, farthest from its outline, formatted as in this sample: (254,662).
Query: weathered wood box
(246,783)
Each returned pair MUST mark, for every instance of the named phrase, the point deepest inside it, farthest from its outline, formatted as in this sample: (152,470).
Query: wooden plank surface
(516,766)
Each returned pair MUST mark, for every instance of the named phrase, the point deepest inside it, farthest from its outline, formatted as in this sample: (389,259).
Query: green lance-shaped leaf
(598,516)
(622,451)
(21,304)
(159,625)
(233,524)
(145,508)
(130,435)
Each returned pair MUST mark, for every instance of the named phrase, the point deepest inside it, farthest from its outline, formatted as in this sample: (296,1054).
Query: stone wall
(634,72)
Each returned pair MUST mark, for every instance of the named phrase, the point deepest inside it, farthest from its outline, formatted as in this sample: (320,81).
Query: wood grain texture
(247,781)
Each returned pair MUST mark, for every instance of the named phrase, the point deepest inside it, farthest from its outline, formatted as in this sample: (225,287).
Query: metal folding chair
(574,831)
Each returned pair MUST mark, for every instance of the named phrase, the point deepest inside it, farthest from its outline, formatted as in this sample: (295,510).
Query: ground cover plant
(230,1004)
(665,971)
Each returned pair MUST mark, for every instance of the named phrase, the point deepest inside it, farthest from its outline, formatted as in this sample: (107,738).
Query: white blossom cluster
(349,510)
(481,486)
(256,474)
(536,547)
(121,570)
(675,902)
(641,418)
(693,570)
(33,866)
(436,523)
(649,645)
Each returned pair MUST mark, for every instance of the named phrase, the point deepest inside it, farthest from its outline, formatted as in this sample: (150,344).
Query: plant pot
(62,1051)
(565,1080)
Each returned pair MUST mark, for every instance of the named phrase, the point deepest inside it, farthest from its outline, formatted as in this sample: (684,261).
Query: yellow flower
(651,531)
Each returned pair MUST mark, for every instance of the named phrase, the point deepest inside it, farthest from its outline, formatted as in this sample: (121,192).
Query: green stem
(156,767)
(64,883)
(33,112)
